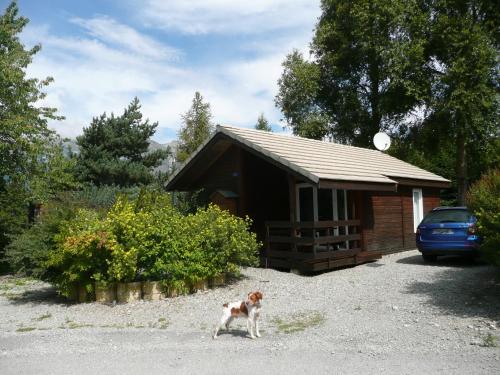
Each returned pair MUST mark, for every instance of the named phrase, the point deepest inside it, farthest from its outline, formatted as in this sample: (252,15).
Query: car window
(447,216)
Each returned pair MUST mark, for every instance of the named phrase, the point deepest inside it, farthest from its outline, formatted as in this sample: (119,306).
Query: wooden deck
(315,246)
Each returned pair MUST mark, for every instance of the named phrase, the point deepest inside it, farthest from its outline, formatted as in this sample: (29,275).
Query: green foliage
(299,87)
(427,71)
(223,240)
(463,100)
(362,77)
(483,199)
(263,124)
(82,252)
(114,150)
(32,167)
(196,129)
(148,239)
(188,202)
(29,249)
(23,130)
(28,252)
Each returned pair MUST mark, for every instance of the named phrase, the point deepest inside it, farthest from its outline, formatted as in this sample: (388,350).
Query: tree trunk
(461,169)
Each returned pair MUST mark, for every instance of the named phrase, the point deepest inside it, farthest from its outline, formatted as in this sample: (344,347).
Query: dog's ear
(252,297)
(259,295)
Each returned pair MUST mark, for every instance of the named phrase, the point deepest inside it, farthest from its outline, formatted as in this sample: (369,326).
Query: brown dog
(249,309)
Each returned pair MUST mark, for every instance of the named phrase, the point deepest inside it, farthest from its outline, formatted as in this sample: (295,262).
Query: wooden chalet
(315,205)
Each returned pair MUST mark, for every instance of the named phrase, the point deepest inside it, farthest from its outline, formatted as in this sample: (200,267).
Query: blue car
(447,231)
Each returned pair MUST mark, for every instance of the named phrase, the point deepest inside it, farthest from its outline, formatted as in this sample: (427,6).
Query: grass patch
(299,322)
(13,296)
(6,287)
(25,329)
(21,282)
(43,317)
(117,326)
(75,325)
(162,323)
(489,341)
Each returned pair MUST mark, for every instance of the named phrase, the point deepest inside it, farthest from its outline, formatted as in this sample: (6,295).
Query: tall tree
(196,128)
(31,167)
(463,105)
(263,124)
(426,70)
(352,87)
(23,124)
(459,135)
(114,149)
(298,97)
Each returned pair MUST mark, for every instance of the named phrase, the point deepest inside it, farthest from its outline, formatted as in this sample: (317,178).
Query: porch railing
(303,241)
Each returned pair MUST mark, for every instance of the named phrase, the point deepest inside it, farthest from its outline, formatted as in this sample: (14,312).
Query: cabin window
(418,208)
(325,205)
(306,207)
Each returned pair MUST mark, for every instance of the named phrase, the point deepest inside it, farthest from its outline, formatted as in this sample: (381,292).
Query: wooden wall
(262,188)
(265,194)
(388,218)
(224,174)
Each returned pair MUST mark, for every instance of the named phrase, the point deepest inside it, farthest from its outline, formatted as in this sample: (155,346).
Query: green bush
(82,253)
(28,251)
(224,240)
(483,198)
(148,239)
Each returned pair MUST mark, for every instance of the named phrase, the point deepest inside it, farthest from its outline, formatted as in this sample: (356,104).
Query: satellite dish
(381,141)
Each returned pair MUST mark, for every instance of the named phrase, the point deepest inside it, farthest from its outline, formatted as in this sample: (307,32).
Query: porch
(312,246)
(325,230)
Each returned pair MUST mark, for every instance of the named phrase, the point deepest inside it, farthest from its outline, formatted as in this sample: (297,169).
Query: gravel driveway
(394,316)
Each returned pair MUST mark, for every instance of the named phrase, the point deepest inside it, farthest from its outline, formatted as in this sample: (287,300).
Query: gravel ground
(394,316)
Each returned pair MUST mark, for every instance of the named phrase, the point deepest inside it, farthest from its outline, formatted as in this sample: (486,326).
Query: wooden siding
(265,194)
(225,173)
(388,218)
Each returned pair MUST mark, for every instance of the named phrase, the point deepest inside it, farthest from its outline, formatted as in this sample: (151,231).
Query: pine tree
(263,124)
(114,150)
(197,127)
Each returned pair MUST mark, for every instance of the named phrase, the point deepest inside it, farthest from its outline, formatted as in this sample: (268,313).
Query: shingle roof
(319,160)
(331,161)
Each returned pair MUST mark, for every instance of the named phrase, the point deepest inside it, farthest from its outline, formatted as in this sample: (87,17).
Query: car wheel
(429,258)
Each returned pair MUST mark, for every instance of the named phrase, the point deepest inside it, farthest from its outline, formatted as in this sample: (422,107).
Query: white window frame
(420,208)
(315,199)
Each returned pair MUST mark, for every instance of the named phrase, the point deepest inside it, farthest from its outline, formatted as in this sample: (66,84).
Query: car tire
(429,258)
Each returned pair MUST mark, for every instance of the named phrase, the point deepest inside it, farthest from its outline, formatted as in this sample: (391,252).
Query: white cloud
(110,31)
(109,63)
(223,16)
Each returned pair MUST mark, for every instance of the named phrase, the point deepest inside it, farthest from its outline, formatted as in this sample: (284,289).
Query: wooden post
(267,248)
(292,203)
(242,209)
(360,215)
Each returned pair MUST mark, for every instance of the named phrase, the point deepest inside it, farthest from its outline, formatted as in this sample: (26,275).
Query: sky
(103,53)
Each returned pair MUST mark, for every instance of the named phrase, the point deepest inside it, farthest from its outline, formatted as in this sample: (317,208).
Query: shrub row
(148,239)
(28,251)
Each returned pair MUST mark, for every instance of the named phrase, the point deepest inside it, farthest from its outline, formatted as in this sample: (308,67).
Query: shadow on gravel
(233,332)
(463,288)
(46,295)
(445,261)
